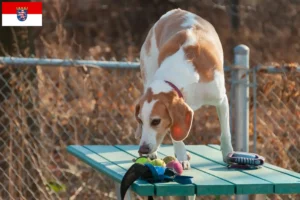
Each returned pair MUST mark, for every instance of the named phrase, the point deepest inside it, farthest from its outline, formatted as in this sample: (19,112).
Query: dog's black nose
(144,149)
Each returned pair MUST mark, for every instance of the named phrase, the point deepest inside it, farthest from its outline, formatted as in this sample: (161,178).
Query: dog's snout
(144,149)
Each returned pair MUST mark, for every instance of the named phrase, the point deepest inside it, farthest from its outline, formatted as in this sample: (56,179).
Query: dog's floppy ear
(138,132)
(138,105)
(182,116)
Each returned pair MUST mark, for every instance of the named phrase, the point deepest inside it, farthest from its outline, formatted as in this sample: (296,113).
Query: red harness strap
(175,88)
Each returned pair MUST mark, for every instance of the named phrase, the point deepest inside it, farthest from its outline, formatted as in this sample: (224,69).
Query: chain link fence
(57,107)
(278,117)
(47,104)
(54,103)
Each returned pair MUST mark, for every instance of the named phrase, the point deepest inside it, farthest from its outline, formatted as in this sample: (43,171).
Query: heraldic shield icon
(22,14)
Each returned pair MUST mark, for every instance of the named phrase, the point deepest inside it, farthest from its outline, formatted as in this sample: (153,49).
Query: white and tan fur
(184,49)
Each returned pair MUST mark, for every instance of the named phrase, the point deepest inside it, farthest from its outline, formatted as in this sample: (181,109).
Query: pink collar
(175,88)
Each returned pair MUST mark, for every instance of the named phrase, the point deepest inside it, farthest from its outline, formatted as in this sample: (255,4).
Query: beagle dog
(181,64)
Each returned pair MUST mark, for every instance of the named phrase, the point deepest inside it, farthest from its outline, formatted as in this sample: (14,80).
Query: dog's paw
(185,164)
(225,160)
(188,155)
(225,151)
(184,160)
(152,156)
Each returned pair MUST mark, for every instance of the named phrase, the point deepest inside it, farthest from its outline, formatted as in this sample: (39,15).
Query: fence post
(241,62)
(241,79)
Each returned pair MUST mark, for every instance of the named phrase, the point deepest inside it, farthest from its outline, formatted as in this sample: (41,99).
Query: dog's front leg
(181,154)
(223,114)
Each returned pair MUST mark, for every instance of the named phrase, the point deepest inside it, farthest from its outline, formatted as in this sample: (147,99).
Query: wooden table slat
(206,183)
(211,176)
(268,165)
(283,183)
(244,183)
(108,168)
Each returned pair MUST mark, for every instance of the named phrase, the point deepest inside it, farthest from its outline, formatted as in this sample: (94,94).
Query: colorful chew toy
(244,160)
(152,174)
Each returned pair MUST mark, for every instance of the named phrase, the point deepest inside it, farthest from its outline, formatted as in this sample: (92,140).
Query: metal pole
(128,193)
(235,18)
(254,110)
(241,62)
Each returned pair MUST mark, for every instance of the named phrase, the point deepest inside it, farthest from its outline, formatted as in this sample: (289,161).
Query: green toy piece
(158,162)
(142,160)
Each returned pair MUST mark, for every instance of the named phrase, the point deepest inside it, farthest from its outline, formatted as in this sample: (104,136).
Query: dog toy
(168,159)
(158,162)
(175,166)
(152,174)
(244,160)
(142,160)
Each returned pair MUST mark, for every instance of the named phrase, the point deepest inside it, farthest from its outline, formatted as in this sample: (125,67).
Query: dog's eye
(155,122)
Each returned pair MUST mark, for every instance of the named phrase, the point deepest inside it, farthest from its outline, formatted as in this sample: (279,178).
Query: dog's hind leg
(223,114)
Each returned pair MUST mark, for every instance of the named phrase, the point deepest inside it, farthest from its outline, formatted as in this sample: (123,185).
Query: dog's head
(159,114)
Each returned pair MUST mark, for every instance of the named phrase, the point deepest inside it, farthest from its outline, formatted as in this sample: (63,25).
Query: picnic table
(211,175)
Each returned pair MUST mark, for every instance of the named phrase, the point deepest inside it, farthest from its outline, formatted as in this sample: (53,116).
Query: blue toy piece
(183,179)
(152,174)
(244,160)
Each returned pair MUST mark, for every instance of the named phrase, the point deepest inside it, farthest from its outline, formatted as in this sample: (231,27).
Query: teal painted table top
(211,176)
